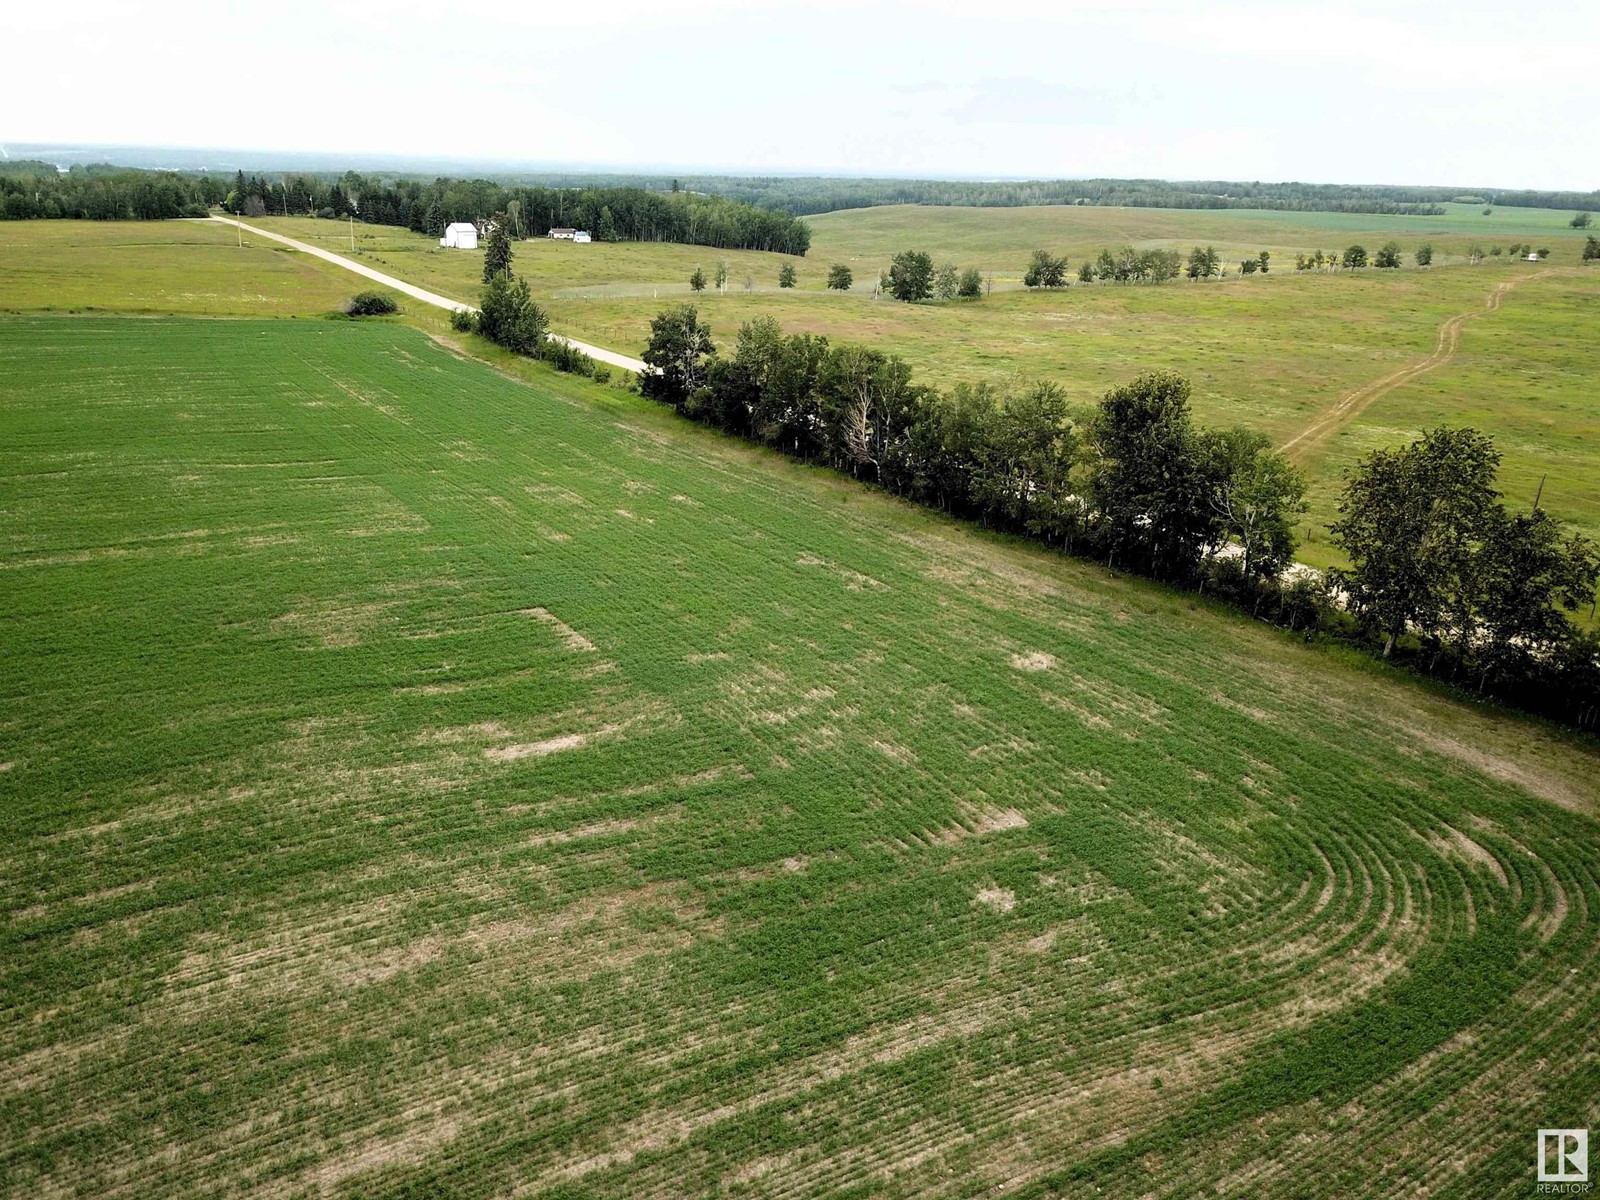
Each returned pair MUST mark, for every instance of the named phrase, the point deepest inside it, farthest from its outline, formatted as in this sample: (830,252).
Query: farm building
(1533,256)
(460,235)
(581,235)
(564,234)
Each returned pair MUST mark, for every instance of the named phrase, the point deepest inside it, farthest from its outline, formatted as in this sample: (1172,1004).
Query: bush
(194,210)
(371,304)
(463,321)
(564,356)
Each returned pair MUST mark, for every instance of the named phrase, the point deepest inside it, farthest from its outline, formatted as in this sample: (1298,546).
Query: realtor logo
(1563,1156)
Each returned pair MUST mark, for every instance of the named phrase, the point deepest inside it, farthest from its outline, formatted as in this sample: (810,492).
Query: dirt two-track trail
(1352,404)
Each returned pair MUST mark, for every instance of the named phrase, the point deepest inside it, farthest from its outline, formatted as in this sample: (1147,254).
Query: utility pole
(352,233)
(1539,493)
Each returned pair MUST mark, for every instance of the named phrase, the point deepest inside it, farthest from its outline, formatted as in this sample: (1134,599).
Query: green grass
(417,782)
(1273,353)
(158,267)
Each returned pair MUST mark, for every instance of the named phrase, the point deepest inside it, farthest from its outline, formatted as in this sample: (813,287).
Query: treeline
(626,214)
(36,190)
(32,190)
(1444,579)
(803,196)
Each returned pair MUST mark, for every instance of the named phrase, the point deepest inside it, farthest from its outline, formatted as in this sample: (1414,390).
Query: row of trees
(30,190)
(1441,568)
(1133,480)
(787,278)
(1125,264)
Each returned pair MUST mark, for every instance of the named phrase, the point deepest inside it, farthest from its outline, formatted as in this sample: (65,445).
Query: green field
(165,267)
(1274,353)
(421,781)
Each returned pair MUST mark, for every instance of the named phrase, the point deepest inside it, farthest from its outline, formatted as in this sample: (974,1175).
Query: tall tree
(1410,521)
(971,285)
(697,281)
(946,281)
(1256,494)
(1024,462)
(840,277)
(722,275)
(1354,257)
(606,227)
(1046,270)
(911,276)
(508,316)
(786,276)
(679,347)
(1203,262)
(497,254)
(1388,256)
(1149,481)
(1529,569)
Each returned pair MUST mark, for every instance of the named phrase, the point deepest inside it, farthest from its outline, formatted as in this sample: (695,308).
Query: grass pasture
(415,782)
(157,267)
(1274,353)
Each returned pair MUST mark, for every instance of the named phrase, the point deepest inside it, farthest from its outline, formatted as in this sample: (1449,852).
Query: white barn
(564,233)
(460,235)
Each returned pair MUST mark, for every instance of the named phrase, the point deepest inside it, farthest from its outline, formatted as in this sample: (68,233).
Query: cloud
(1021,100)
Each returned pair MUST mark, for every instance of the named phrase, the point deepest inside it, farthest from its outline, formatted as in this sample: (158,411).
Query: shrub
(464,321)
(564,356)
(371,304)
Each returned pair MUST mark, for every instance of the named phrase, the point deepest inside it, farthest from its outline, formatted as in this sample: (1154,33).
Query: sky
(1460,92)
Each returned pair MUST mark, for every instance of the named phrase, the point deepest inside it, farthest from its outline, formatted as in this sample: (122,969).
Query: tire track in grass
(1353,404)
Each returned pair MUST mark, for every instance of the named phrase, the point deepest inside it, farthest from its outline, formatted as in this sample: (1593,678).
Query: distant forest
(726,211)
(630,214)
(805,196)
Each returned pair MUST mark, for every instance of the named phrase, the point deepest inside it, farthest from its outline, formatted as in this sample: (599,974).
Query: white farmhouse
(460,235)
(564,234)
(581,235)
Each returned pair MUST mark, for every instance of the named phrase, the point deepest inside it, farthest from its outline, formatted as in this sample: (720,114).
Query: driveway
(610,357)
